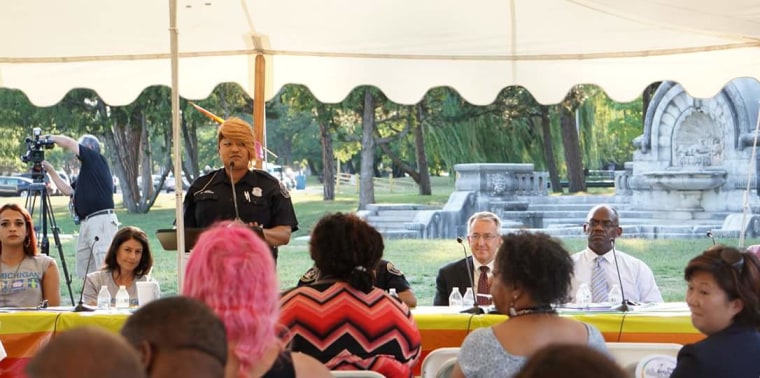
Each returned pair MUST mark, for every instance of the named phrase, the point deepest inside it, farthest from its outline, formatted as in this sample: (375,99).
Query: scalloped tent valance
(118,48)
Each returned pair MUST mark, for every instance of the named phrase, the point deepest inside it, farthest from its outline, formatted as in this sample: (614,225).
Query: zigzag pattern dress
(347,329)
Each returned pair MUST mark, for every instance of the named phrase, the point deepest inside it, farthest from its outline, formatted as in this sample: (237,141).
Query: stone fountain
(693,160)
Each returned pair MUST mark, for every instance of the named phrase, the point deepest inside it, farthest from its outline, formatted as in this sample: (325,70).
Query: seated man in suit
(484,236)
(603,227)
(386,275)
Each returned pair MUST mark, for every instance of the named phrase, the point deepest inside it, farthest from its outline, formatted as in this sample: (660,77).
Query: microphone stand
(81,307)
(475,309)
(624,306)
(234,196)
(710,235)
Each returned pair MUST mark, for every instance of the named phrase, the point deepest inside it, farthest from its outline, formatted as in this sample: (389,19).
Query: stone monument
(693,160)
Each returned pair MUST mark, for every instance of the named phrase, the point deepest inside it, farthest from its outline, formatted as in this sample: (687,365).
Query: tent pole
(180,223)
(258,108)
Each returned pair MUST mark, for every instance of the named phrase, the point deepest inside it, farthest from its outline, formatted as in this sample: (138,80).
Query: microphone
(81,307)
(710,235)
(475,309)
(624,306)
(234,196)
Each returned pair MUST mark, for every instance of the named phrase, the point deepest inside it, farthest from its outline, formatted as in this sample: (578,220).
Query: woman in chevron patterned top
(341,319)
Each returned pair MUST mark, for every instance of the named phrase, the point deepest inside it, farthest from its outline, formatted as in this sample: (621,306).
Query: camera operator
(92,197)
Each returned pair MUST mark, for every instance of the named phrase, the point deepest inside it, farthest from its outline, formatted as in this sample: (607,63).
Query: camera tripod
(38,189)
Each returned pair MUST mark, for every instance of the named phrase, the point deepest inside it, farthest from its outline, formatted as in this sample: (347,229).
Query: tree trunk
(127,139)
(646,98)
(366,184)
(190,164)
(551,162)
(572,147)
(328,159)
(426,188)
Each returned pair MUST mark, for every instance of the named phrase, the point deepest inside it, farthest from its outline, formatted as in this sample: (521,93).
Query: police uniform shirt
(387,276)
(260,198)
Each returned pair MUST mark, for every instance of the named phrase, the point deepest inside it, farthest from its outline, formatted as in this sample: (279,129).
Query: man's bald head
(70,354)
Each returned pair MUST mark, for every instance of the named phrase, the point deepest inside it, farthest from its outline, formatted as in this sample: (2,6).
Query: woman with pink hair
(232,271)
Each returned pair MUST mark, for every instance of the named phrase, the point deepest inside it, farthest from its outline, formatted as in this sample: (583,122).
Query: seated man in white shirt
(602,227)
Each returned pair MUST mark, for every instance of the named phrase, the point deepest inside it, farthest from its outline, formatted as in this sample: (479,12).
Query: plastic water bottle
(615,296)
(122,298)
(455,298)
(583,296)
(104,298)
(469,298)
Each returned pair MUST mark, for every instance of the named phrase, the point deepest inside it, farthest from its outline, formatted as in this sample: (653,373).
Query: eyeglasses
(485,237)
(733,258)
(605,224)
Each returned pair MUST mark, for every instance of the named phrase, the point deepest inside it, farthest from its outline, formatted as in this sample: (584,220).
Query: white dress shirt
(638,280)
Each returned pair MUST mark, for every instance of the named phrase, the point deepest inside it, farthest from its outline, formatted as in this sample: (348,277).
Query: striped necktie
(598,282)
(483,287)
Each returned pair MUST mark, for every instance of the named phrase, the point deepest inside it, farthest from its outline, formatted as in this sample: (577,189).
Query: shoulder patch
(392,269)
(284,190)
(310,275)
(265,174)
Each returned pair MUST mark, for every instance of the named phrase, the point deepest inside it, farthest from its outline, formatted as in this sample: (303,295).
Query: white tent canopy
(404,48)
(118,48)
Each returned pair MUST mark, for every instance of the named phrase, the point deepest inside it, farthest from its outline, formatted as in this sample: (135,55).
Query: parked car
(51,188)
(14,186)
(170,186)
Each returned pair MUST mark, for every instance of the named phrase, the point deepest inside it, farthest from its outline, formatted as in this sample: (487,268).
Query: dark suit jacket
(732,352)
(451,275)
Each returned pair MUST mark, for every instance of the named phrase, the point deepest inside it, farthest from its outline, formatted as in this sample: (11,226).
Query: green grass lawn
(418,259)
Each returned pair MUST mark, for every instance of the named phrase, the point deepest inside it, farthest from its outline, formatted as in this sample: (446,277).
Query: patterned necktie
(483,287)
(598,282)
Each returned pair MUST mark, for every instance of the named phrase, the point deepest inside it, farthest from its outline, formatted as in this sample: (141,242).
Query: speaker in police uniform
(263,201)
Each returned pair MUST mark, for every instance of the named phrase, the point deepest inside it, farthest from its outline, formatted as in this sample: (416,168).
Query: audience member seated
(86,352)
(570,361)
(603,228)
(232,270)
(342,319)
(128,261)
(178,337)
(723,296)
(385,276)
(26,277)
(484,237)
(532,272)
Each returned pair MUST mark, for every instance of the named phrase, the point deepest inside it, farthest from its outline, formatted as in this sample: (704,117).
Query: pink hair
(232,270)
(754,248)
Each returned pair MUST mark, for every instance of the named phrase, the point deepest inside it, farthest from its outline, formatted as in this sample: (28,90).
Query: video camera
(35,153)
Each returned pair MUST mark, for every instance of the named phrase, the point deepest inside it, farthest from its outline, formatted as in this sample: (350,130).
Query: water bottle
(392,292)
(122,298)
(455,298)
(615,296)
(469,298)
(104,298)
(583,296)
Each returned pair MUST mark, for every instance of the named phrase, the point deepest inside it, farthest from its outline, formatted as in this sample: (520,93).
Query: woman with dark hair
(128,261)
(326,318)
(532,272)
(723,295)
(26,277)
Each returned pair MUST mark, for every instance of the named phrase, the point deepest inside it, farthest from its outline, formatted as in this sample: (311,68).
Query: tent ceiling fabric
(404,48)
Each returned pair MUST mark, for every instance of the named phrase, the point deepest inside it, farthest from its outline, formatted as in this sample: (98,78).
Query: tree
(571,142)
